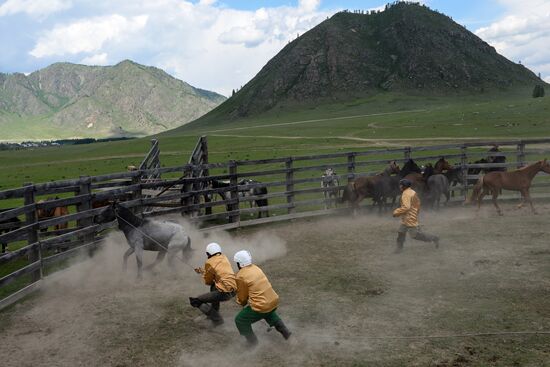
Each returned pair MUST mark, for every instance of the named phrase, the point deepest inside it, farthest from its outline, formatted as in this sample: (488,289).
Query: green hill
(406,49)
(68,100)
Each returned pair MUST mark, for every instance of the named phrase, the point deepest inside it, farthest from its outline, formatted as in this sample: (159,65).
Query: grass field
(381,121)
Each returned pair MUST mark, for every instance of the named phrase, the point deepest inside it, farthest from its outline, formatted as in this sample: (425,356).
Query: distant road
(316,120)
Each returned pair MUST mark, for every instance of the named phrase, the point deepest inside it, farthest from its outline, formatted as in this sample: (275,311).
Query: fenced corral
(222,195)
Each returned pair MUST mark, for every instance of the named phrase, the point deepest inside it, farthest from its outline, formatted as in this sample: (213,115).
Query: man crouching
(218,274)
(254,288)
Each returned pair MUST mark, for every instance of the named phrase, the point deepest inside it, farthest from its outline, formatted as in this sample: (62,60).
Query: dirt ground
(348,299)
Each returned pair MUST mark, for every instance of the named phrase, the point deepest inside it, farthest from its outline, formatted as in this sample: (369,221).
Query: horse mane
(129,217)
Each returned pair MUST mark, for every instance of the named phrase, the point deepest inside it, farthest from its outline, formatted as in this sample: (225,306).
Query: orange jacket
(409,209)
(218,271)
(254,288)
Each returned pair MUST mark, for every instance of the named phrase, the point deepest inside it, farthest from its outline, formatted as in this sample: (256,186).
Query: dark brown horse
(368,186)
(518,180)
(442,165)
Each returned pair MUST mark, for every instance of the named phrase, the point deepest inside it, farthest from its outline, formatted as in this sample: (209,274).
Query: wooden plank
(13,298)
(73,251)
(17,254)
(13,193)
(31,268)
(105,185)
(92,229)
(50,204)
(70,217)
(15,212)
(51,191)
(18,234)
(9,226)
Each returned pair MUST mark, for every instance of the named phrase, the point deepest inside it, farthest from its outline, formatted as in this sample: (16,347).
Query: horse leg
(480,197)
(139,260)
(128,252)
(160,257)
(495,196)
(527,197)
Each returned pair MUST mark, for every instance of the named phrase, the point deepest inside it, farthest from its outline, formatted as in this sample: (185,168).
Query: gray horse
(149,235)
(438,185)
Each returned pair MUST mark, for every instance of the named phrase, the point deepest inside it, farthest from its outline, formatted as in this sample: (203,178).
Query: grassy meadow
(380,121)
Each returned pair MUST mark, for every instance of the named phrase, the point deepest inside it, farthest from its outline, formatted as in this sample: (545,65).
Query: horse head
(545,166)
(107,214)
(428,171)
(442,165)
(393,168)
(410,167)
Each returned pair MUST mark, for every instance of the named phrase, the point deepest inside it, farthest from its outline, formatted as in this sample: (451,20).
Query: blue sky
(219,45)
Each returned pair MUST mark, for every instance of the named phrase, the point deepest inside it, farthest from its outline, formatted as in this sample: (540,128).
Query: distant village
(52,143)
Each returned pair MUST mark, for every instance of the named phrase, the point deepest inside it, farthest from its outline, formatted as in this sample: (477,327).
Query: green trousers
(248,316)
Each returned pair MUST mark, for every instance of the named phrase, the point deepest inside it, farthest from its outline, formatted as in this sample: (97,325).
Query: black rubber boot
(400,242)
(281,327)
(211,313)
(251,339)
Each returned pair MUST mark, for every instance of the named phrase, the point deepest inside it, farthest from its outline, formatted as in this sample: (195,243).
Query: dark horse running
(149,235)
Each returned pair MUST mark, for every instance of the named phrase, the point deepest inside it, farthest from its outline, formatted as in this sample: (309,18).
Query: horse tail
(476,191)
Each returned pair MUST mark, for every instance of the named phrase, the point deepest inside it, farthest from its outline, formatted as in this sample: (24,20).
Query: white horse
(329,181)
(148,235)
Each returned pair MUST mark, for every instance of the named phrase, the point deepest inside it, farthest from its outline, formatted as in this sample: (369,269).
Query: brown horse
(518,180)
(57,211)
(442,165)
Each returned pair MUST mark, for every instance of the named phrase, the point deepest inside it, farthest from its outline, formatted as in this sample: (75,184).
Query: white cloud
(205,43)
(87,35)
(523,34)
(35,8)
(98,59)
(309,5)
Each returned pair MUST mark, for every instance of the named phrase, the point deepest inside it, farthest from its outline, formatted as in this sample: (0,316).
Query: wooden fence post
(351,167)
(407,153)
(137,193)
(234,193)
(289,184)
(185,188)
(32,232)
(205,172)
(464,171)
(85,188)
(521,155)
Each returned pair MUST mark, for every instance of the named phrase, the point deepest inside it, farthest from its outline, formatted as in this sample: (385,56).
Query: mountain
(68,100)
(407,48)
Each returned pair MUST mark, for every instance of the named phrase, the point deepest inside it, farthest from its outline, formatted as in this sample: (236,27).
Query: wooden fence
(292,183)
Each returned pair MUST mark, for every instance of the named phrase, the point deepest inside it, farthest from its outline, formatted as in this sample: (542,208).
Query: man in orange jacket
(218,274)
(254,288)
(408,211)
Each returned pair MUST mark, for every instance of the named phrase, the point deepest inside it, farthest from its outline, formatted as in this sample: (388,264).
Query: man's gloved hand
(195,302)
(199,270)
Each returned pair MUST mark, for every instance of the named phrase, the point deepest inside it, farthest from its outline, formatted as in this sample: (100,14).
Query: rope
(449,336)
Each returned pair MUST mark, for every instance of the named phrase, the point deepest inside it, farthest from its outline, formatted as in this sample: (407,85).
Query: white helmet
(213,248)
(243,257)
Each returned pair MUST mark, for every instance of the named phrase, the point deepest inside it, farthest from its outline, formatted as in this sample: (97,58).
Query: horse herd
(430,182)
(434,181)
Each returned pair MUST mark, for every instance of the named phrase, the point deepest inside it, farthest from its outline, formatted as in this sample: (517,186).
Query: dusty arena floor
(348,299)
